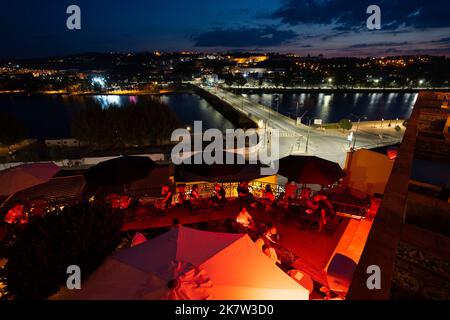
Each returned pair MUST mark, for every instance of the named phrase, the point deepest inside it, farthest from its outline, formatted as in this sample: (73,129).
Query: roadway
(295,139)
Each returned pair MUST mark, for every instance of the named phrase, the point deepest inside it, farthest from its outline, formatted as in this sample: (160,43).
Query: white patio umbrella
(188,264)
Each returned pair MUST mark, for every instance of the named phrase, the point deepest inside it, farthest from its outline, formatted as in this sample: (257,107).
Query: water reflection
(50,116)
(107,101)
(333,107)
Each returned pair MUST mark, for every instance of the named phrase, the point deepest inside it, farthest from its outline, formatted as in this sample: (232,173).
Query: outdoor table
(147,201)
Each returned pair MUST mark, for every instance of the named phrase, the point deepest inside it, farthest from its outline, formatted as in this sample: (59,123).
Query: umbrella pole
(7,199)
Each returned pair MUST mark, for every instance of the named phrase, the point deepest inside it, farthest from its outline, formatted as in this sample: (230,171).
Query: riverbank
(272,90)
(181,88)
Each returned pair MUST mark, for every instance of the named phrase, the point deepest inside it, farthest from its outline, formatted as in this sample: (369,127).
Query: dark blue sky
(331,27)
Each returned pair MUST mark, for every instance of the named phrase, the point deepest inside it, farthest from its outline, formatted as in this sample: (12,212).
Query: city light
(98,81)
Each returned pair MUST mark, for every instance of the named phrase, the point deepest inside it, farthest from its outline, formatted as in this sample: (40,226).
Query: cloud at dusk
(329,27)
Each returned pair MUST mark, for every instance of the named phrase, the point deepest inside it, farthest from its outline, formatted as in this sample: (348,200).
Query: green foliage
(229,79)
(12,130)
(278,79)
(345,124)
(139,124)
(240,80)
(39,252)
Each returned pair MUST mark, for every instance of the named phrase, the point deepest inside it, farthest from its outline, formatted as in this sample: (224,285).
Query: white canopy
(195,265)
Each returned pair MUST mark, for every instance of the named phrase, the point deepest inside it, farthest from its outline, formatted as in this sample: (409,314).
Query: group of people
(218,196)
(317,204)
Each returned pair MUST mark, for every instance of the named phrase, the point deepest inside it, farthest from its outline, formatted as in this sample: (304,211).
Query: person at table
(195,194)
(324,210)
(305,194)
(180,197)
(270,253)
(308,202)
(244,218)
(272,233)
(290,191)
(260,242)
(269,198)
(219,193)
(176,223)
(166,200)
(244,191)
(16,214)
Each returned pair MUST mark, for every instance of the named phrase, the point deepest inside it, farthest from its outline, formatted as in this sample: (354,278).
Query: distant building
(63,143)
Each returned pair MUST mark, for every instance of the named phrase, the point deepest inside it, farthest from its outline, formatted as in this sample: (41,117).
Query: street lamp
(301,117)
(357,127)
(309,130)
(277,99)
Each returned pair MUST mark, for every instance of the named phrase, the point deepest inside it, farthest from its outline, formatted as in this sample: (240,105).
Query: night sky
(331,27)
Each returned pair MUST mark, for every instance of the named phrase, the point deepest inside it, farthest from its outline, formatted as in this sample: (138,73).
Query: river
(50,116)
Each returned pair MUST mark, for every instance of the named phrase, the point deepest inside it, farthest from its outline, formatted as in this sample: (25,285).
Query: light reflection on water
(50,116)
(107,101)
(335,106)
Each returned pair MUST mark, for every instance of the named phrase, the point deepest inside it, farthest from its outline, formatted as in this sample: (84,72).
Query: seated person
(16,214)
(38,207)
(195,194)
(271,253)
(272,233)
(166,200)
(179,199)
(180,196)
(324,210)
(260,241)
(176,223)
(305,194)
(269,198)
(118,201)
(243,191)
(290,191)
(218,195)
(244,218)
(308,201)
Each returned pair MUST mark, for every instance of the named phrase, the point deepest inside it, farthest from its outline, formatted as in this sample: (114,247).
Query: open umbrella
(310,170)
(239,170)
(119,171)
(25,176)
(185,264)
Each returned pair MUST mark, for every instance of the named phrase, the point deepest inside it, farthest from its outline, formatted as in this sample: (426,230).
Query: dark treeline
(143,123)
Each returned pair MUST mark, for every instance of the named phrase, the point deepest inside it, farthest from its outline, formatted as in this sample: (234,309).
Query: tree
(229,79)
(278,79)
(345,124)
(39,252)
(12,130)
(145,122)
(240,80)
